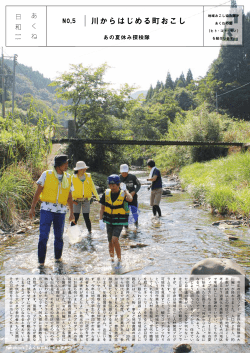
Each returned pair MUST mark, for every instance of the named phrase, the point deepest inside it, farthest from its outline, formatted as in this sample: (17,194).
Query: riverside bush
(224,182)
(16,192)
(23,142)
(199,125)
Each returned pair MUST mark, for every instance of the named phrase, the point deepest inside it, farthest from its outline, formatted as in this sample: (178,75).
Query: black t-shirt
(132,184)
(114,196)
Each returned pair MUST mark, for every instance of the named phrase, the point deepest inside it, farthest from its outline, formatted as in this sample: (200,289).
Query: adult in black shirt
(133,186)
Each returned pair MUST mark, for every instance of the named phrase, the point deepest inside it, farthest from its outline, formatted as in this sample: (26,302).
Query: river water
(184,236)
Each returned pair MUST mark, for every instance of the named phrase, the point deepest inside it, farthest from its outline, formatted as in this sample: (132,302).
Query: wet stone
(139,245)
(217,266)
(166,191)
(228,222)
(232,237)
(182,348)
(20,231)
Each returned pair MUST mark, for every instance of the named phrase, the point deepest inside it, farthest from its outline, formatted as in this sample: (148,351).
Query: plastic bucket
(74,234)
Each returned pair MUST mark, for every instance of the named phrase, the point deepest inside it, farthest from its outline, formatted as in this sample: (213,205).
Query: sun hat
(80,165)
(123,168)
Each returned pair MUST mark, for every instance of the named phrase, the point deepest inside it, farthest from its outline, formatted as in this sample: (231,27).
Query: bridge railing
(151,142)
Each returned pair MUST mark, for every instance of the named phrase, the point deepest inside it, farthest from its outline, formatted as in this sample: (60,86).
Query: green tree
(89,97)
(181,81)
(150,93)
(185,98)
(169,84)
(189,77)
(232,68)
(159,86)
(8,81)
(99,113)
(207,88)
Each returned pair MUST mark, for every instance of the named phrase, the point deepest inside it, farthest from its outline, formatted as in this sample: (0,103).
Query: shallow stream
(184,236)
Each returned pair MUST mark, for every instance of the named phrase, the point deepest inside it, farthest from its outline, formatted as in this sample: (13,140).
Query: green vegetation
(183,109)
(24,148)
(223,183)
(24,142)
(98,112)
(16,193)
(198,125)
(31,87)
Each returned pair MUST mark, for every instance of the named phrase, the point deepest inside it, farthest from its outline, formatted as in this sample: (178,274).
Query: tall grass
(223,183)
(23,154)
(16,193)
(24,142)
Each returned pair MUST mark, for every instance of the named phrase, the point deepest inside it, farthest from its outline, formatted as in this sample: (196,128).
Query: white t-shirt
(50,206)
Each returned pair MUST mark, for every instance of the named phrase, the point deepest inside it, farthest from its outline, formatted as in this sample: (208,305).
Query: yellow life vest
(53,191)
(116,212)
(87,187)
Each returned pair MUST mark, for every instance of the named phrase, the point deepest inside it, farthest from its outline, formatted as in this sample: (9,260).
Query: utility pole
(216,103)
(3,90)
(3,75)
(13,87)
(233,3)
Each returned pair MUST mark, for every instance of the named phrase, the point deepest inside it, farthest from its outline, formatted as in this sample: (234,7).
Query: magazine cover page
(124,176)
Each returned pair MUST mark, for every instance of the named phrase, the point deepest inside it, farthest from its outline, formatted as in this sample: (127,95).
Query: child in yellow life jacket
(83,190)
(114,212)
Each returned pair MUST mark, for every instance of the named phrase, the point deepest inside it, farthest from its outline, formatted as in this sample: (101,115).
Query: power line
(222,94)
(218,95)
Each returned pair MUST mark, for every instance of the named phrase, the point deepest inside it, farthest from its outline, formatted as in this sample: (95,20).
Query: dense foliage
(232,68)
(98,112)
(222,183)
(24,142)
(30,87)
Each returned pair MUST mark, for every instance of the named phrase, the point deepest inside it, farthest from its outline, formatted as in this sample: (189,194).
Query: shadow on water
(181,238)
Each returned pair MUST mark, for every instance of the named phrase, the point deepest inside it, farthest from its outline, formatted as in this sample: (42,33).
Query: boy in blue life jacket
(114,212)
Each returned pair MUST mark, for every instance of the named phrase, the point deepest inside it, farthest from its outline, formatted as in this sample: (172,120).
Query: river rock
(228,222)
(182,348)
(20,231)
(214,266)
(195,205)
(166,191)
(138,245)
(232,237)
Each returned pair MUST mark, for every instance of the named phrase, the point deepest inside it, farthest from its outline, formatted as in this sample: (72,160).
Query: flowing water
(184,236)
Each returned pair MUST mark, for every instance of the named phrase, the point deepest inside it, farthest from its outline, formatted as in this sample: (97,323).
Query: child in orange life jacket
(83,189)
(114,212)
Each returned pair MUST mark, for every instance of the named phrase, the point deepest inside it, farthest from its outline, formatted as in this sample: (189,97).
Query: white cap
(80,165)
(123,168)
